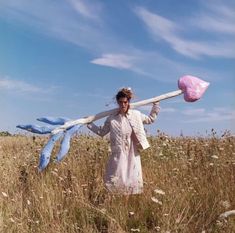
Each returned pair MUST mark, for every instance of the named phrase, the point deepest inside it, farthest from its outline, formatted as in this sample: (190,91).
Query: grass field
(188,183)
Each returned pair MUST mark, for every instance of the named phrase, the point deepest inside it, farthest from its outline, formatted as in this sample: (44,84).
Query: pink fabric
(192,87)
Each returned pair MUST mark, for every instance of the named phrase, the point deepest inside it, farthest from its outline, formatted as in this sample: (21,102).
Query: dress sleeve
(102,130)
(152,116)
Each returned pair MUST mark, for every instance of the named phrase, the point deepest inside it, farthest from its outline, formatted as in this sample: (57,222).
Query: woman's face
(123,104)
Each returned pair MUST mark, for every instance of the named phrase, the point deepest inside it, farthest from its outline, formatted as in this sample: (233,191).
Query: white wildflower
(54,173)
(219,223)
(135,229)
(4,194)
(154,199)
(131,213)
(12,220)
(159,191)
(225,204)
(103,210)
(114,179)
(214,157)
(158,228)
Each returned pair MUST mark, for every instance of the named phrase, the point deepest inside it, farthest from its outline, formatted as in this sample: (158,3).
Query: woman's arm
(102,130)
(153,114)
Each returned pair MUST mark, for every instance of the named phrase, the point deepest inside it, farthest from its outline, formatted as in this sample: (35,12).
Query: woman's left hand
(156,107)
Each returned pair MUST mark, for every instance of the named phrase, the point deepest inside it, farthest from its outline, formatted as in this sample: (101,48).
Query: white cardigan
(136,119)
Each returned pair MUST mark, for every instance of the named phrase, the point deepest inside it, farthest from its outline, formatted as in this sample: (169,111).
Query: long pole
(89,119)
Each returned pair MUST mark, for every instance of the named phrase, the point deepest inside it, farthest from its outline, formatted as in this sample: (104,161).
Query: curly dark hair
(124,93)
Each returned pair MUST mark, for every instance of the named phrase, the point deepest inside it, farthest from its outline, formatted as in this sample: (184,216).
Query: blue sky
(70,57)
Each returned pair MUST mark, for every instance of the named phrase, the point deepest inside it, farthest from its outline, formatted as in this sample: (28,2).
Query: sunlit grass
(188,183)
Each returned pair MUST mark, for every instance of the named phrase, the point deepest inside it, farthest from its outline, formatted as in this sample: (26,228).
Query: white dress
(123,171)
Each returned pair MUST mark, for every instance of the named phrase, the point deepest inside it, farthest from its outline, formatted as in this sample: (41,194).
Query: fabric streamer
(46,152)
(65,143)
(36,129)
(54,120)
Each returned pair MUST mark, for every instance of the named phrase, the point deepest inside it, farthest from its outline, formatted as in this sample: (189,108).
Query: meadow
(188,183)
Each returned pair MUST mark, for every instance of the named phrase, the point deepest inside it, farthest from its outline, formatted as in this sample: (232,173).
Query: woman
(127,135)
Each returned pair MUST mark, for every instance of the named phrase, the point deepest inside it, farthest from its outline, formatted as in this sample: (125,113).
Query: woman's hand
(156,107)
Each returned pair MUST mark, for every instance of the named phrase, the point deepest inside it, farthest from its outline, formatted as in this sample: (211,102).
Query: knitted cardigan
(112,125)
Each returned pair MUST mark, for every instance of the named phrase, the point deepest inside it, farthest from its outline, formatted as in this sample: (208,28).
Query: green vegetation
(4,133)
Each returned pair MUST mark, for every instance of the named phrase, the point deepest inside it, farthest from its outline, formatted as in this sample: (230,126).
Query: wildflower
(219,223)
(12,220)
(175,169)
(225,204)
(103,210)
(114,179)
(54,173)
(157,228)
(131,213)
(214,157)
(4,194)
(159,191)
(135,229)
(154,199)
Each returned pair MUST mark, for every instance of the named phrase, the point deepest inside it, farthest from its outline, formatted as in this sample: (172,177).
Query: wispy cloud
(82,24)
(193,112)
(90,10)
(73,21)
(216,18)
(120,61)
(9,84)
(162,110)
(162,28)
(216,114)
(168,110)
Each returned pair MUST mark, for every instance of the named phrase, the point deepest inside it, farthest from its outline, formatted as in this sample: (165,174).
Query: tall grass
(188,183)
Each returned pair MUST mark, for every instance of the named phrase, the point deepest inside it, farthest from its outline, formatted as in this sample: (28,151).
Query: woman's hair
(125,92)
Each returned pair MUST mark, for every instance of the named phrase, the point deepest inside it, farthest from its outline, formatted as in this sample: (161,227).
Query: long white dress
(123,171)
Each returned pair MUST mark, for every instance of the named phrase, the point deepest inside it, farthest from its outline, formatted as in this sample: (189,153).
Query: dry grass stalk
(192,178)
